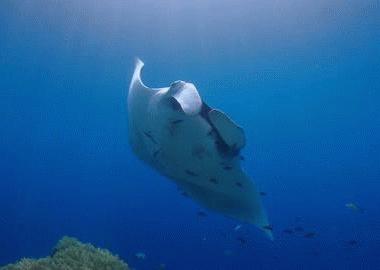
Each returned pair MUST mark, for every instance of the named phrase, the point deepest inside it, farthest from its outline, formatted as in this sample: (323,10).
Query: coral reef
(70,254)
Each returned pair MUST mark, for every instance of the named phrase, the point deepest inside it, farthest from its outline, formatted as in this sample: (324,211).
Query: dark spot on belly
(191,173)
(198,151)
(210,132)
(213,180)
(238,184)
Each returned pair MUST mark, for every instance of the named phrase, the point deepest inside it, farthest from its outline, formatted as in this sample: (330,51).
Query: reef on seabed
(70,254)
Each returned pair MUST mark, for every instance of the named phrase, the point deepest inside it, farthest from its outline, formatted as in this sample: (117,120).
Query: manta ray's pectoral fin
(185,97)
(231,133)
(136,82)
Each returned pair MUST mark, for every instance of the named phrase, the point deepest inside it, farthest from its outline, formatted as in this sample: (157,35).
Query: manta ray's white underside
(196,146)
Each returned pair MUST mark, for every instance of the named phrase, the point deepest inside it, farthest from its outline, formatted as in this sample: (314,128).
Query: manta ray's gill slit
(149,136)
(172,126)
(155,153)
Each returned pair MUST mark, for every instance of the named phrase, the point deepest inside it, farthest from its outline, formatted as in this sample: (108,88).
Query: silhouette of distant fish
(268,227)
(354,207)
(237,227)
(242,240)
(140,255)
(310,235)
(201,213)
(352,243)
(298,229)
(288,231)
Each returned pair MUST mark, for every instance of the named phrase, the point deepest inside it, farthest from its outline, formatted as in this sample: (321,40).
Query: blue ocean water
(301,77)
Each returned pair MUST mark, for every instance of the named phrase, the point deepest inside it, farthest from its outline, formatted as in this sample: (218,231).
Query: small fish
(298,229)
(201,213)
(352,243)
(227,167)
(242,240)
(237,227)
(191,173)
(140,255)
(310,235)
(268,227)
(288,231)
(262,193)
(242,157)
(354,207)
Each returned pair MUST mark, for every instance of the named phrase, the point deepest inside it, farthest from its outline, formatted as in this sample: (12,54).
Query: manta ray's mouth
(177,84)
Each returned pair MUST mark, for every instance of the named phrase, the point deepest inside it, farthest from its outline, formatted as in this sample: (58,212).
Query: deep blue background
(301,77)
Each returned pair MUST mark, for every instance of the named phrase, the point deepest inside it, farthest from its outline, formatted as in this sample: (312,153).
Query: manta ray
(198,147)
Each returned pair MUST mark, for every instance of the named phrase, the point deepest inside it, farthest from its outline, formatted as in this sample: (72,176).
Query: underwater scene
(199,134)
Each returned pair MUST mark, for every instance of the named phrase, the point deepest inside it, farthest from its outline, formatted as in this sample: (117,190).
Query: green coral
(70,254)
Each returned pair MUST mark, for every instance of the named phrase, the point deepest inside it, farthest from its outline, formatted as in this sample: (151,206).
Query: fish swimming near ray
(354,207)
(198,147)
(140,255)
